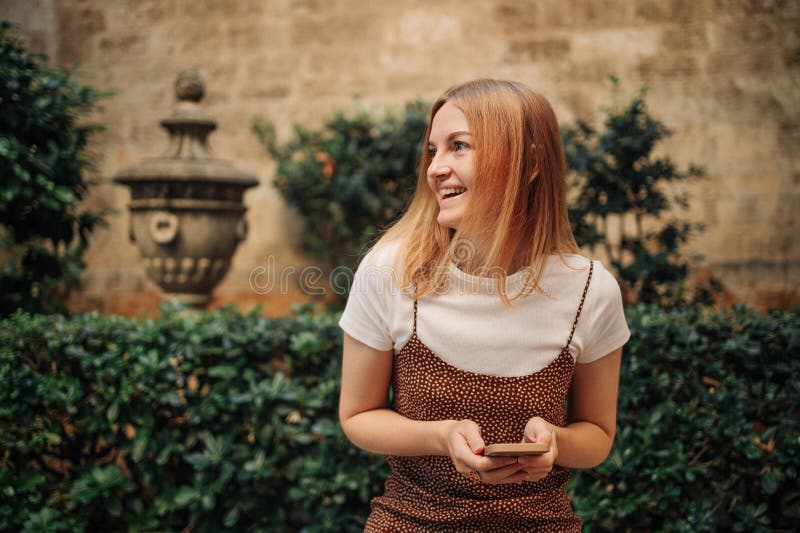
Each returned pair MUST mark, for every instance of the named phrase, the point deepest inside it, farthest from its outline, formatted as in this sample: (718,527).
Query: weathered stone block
(742,9)
(673,11)
(672,66)
(78,23)
(112,48)
(687,38)
(537,49)
(251,35)
(552,14)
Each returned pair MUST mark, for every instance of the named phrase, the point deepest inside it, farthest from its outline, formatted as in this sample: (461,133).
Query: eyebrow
(454,135)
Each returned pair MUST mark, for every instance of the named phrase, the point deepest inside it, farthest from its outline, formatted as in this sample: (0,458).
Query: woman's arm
(370,424)
(591,420)
(364,410)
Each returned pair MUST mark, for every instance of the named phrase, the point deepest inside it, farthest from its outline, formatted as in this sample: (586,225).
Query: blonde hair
(520,186)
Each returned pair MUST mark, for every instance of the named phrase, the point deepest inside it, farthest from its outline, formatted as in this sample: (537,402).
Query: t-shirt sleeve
(366,314)
(608,329)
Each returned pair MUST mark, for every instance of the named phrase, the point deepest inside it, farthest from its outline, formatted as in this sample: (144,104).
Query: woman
(475,356)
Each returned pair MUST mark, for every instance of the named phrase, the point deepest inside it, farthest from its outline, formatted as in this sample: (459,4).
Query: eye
(460,146)
(431,151)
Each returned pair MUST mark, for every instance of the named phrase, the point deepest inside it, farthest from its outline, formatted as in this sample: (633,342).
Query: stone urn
(186,210)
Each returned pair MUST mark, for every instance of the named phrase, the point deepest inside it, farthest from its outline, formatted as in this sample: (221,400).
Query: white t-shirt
(469,327)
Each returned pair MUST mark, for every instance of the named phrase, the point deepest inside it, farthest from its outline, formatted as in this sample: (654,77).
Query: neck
(520,261)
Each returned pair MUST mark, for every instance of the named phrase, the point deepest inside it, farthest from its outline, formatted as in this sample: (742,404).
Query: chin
(448,222)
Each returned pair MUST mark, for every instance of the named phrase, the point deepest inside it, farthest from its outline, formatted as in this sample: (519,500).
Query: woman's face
(450,174)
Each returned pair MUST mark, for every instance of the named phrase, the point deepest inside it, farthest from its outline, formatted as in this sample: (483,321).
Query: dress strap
(414,332)
(577,315)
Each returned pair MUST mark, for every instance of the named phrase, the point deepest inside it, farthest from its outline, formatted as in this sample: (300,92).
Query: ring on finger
(474,475)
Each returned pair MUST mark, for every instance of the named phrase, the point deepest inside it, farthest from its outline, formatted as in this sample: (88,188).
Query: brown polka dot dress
(427,493)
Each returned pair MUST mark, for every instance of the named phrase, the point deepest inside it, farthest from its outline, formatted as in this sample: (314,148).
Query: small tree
(349,179)
(356,174)
(43,157)
(618,178)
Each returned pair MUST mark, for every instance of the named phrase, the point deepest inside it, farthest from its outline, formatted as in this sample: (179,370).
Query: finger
(536,461)
(499,475)
(537,431)
(537,471)
(487,464)
(467,471)
(466,464)
(515,477)
(538,435)
(519,477)
(533,478)
(472,434)
(535,474)
(475,476)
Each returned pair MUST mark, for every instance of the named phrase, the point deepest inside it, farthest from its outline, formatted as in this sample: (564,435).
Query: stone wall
(723,75)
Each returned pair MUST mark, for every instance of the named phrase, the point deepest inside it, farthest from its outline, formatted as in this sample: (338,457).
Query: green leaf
(139,447)
(199,460)
(112,412)
(208,500)
(185,496)
(223,371)
(65,195)
(170,398)
(231,517)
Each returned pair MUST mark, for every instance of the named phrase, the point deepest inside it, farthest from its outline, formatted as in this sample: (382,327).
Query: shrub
(349,179)
(708,426)
(43,158)
(224,421)
(619,180)
(218,420)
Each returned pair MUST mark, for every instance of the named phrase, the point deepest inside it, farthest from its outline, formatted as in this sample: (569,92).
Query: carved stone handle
(163,227)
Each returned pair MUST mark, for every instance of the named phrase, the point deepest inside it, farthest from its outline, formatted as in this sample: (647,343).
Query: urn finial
(189,86)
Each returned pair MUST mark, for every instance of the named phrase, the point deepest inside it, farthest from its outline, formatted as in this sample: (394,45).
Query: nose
(438,168)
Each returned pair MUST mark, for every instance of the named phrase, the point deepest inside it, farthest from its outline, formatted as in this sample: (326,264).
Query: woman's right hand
(465,447)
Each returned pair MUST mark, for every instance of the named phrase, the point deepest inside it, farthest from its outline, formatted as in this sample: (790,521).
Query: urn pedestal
(186,210)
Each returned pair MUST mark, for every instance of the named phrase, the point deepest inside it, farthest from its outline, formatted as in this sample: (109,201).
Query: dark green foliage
(43,157)
(709,426)
(619,180)
(228,421)
(349,179)
(355,175)
(218,420)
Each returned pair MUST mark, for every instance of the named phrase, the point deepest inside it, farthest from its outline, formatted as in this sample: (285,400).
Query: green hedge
(110,423)
(708,426)
(228,421)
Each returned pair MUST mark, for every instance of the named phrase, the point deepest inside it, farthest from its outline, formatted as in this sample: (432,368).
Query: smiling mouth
(452,193)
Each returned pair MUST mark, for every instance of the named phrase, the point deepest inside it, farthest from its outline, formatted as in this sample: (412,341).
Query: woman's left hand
(538,466)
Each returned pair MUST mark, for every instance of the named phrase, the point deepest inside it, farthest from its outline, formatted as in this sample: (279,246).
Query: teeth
(445,192)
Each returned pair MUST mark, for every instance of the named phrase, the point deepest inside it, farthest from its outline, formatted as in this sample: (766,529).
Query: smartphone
(516,449)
